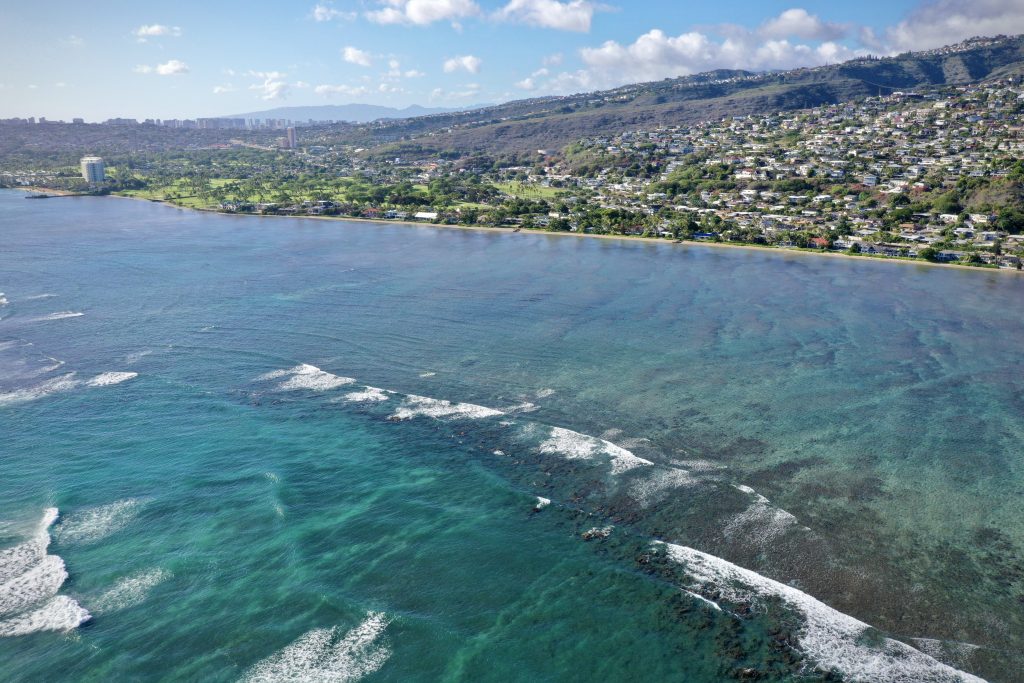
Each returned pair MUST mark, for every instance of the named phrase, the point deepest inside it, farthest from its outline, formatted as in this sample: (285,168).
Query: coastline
(534,231)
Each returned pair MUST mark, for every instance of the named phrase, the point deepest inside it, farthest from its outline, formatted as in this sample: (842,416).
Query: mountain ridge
(352,113)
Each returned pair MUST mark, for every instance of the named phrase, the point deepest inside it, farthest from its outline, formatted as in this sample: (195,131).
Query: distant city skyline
(191,60)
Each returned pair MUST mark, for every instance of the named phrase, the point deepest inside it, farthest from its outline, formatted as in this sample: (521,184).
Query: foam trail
(129,591)
(761,523)
(51,386)
(89,526)
(415,406)
(573,445)
(59,315)
(17,560)
(36,297)
(108,378)
(828,637)
(321,656)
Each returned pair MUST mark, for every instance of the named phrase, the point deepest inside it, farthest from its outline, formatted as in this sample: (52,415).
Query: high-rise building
(292,141)
(93,170)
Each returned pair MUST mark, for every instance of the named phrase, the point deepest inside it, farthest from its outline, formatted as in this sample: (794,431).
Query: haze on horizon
(191,59)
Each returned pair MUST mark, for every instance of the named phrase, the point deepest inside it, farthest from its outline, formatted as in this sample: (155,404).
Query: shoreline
(534,231)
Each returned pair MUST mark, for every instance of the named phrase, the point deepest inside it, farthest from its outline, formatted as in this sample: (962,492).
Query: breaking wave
(415,406)
(367,395)
(323,656)
(306,377)
(108,378)
(31,579)
(828,637)
(573,445)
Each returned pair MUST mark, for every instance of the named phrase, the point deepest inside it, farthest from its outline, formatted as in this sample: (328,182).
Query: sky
(183,59)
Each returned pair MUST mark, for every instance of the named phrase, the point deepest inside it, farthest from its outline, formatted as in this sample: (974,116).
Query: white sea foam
(367,395)
(108,378)
(59,315)
(31,578)
(542,503)
(949,651)
(128,592)
(544,393)
(428,374)
(307,377)
(828,637)
(60,613)
(321,656)
(414,406)
(3,299)
(761,523)
(50,386)
(273,374)
(658,484)
(573,445)
(36,297)
(525,407)
(93,524)
(39,582)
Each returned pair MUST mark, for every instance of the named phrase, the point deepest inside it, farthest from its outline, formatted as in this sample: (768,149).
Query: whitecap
(428,374)
(50,386)
(322,656)
(3,299)
(414,406)
(36,297)
(306,376)
(108,378)
(93,524)
(367,395)
(128,592)
(573,445)
(31,579)
(59,315)
(61,613)
(544,393)
(525,407)
(830,638)
(541,503)
(761,523)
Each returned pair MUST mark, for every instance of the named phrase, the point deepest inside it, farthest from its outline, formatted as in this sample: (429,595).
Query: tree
(929,254)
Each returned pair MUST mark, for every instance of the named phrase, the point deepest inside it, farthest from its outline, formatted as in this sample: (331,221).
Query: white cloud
(156,31)
(325,12)
(553,60)
(347,90)
(422,12)
(467,63)
(273,85)
(221,89)
(354,55)
(941,22)
(800,23)
(172,67)
(413,73)
(573,15)
(469,90)
(530,83)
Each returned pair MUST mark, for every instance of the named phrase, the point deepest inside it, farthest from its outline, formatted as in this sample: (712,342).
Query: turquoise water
(821,444)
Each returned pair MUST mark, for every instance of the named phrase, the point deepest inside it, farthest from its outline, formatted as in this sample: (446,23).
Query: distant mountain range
(524,126)
(353,113)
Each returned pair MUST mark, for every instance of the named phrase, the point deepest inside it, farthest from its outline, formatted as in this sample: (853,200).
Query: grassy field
(528,191)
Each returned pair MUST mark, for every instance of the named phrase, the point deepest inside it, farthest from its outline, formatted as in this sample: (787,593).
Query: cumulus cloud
(467,63)
(173,67)
(354,55)
(422,12)
(800,23)
(574,15)
(326,12)
(273,85)
(941,22)
(147,31)
(221,89)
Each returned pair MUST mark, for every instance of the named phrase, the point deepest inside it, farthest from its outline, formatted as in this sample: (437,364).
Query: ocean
(241,449)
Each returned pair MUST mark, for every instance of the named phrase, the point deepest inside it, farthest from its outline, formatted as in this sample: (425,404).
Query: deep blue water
(821,444)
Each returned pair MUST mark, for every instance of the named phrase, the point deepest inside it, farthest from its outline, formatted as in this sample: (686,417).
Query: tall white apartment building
(93,170)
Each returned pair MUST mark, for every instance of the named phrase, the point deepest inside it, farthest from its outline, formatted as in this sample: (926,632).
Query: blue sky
(186,59)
